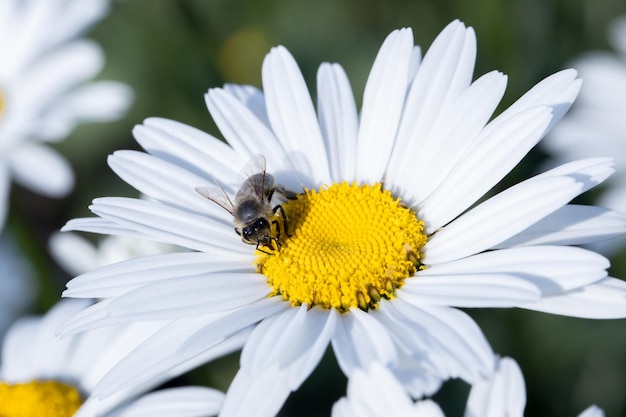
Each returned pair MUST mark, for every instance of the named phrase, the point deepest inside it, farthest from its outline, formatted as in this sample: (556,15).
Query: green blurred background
(170,52)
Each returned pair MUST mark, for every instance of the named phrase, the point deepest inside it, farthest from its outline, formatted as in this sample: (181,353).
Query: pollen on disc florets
(39,398)
(348,246)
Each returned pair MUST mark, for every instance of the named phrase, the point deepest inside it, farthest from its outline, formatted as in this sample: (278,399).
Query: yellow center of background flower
(350,246)
(1,103)
(38,399)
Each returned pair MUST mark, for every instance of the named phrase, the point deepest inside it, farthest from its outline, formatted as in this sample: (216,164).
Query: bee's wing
(219,198)
(255,166)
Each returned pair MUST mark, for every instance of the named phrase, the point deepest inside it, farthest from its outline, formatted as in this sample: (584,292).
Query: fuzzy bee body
(252,209)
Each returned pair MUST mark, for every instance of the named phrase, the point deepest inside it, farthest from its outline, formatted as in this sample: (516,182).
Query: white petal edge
(119,278)
(551,269)
(292,114)
(514,210)
(179,402)
(502,394)
(339,121)
(444,73)
(171,225)
(184,344)
(383,100)
(41,169)
(248,135)
(359,340)
(605,299)
(571,225)
(483,165)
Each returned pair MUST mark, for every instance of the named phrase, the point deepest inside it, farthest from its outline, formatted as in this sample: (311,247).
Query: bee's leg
(276,240)
(282,212)
(275,223)
(258,244)
(290,195)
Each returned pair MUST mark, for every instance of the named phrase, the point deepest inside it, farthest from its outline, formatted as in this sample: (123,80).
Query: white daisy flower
(44,89)
(375,392)
(383,241)
(596,125)
(42,375)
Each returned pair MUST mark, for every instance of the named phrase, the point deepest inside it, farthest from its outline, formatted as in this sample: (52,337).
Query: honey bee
(252,209)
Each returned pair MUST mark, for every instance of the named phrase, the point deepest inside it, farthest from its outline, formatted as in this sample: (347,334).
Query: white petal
(418,374)
(170,225)
(92,317)
(359,340)
(294,340)
(484,165)
(470,290)
(17,351)
(179,347)
(446,337)
(120,278)
(34,341)
(324,322)
(189,296)
(103,227)
(557,91)
(96,101)
(444,73)
(552,269)
(248,135)
(292,115)
(592,411)
(514,209)
(234,321)
(69,66)
(41,169)
(259,395)
(571,225)
(427,408)
(74,253)
(605,299)
(190,148)
(251,97)
(416,61)
(338,120)
(383,99)
(502,394)
(179,402)
(377,391)
(164,181)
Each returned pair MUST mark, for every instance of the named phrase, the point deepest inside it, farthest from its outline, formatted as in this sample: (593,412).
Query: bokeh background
(171,51)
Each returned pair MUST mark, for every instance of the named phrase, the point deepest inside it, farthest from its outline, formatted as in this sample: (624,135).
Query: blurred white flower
(375,392)
(41,374)
(17,285)
(596,126)
(45,89)
(77,255)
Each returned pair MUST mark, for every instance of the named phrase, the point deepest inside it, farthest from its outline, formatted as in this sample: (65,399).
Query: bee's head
(257,232)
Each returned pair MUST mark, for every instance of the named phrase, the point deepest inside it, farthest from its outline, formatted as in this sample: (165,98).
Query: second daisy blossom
(384,241)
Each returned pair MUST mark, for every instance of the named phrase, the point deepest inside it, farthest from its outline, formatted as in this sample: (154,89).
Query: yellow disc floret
(348,246)
(38,399)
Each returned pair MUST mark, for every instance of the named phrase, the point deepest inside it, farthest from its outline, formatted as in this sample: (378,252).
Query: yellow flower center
(1,103)
(38,399)
(348,246)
